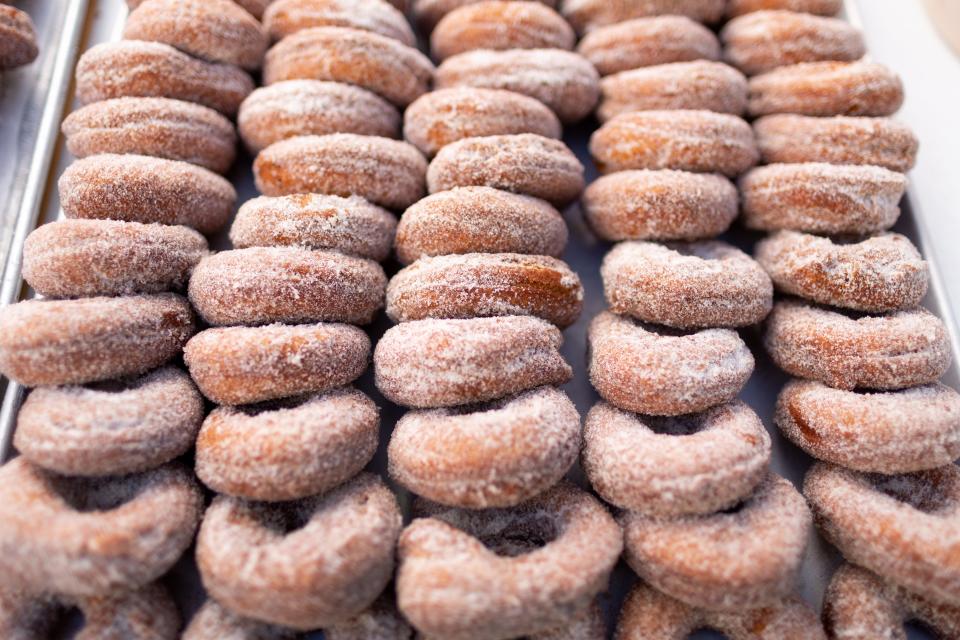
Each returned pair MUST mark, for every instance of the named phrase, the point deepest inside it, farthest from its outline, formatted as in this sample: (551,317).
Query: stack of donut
(18,38)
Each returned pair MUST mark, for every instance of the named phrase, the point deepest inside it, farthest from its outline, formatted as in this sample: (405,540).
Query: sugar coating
(286,17)
(587,625)
(816,7)
(586,15)
(253,7)
(443,363)
(18,38)
(428,13)
(214,622)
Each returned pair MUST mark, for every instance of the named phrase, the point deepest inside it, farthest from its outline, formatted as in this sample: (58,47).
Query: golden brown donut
(444,363)
(523,163)
(303,564)
(586,15)
(428,13)
(286,17)
(241,365)
(381,621)
(112,428)
(142,189)
(680,139)
(18,38)
(817,7)
(386,172)
(214,622)
(53,342)
(254,7)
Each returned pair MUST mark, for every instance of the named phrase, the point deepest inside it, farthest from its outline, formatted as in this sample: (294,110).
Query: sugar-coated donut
(313,107)
(586,15)
(816,7)
(260,285)
(793,138)
(381,621)
(878,274)
(241,365)
(493,455)
(479,220)
(821,198)
(114,428)
(18,38)
(428,13)
(93,536)
(254,7)
(686,286)
(523,163)
(53,342)
(214,622)
(564,81)
(689,140)
(386,172)
(639,368)
(138,188)
(588,625)
(303,564)
(385,66)
(827,89)
(905,528)
(893,351)
(504,573)
(286,17)
(727,561)
(153,69)
(444,363)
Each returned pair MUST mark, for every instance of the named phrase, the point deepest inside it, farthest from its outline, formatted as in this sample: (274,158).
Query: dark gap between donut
(96,494)
(734,509)
(273,405)
(922,490)
(664,331)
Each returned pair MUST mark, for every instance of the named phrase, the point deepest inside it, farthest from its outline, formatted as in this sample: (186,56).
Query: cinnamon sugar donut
(586,15)
(303,564)
(315,221)
(523,163)
(92,536)
(878,274)
(213,30)
(143,189)
(680,139)
(890,432)
(827,89)
(821,198)
(214,622)
(639,368)
(493,455)
(727,561)
(386,172)
(113,428)
(152,69)
(893,351)
(643,42)
(444,363)
(53,342)
(564,81)
(254,7)
(313,107)
(286,17)
(503,573)
(486,284)
(686,286)
(18,38)
(588,625)
(905,528)
(381,621)
(261,285)
(240,365)
(78,258)
(816,7)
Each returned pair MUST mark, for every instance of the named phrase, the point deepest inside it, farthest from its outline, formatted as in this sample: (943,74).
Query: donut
(214,622)
(386,172)
(25,616)
(138,188)
(879,274)
(77,258)
(826,89)
(588,625)
(438,118)
(303,564)
(349,225)
(241,365)
(689,140)
(564,81)
(253,7)
(893,351)
(697,85)
(902,527)
(475,285)
(686,286)
(497,25)
(93,536)
(286,17)
(821,198)
(54,342)
(442,363)
(644,42)
(313,107)
(385,66)
(659,205)
(746,558)
(152,69)
(817,7)
(113,428)
(261,285)
(505,573)
(381,621)
(18,38)
(212,30)
(642,369)
(523,163)
(494,455)
(586,15)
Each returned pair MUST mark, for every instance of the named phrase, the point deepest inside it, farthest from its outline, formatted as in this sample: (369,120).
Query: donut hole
(282,519)
(268,406)
(924,491)
(675,425)
(520,536)
(87,495)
